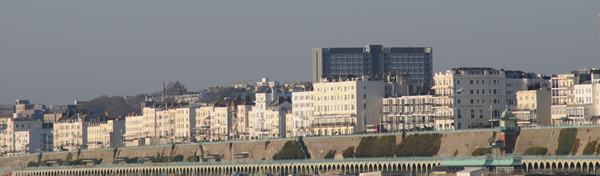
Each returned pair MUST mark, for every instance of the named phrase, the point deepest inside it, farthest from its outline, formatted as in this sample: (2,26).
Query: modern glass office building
(372,60)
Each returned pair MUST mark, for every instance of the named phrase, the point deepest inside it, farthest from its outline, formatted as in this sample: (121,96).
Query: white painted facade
(408,112)
(218,119)
(302,110)
(533,107)
(257,117)
(346,107)
(562,94)
(134,135)
(474,95)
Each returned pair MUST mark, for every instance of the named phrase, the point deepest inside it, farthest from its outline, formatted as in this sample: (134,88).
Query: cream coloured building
(149,132)
(346,106)
(575,97)
(562,94)
(134,127)
(533,106)
(302,110)
(218,118)
(7,134)
(242,119)
(99,134)
(71,130)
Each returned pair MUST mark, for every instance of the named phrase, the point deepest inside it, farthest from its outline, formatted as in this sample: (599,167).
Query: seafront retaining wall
(465,142)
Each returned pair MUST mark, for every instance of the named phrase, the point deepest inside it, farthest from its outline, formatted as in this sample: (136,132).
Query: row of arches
(317,168)
(583,166)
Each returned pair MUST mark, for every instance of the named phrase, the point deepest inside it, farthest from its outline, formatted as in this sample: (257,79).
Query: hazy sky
(54,52)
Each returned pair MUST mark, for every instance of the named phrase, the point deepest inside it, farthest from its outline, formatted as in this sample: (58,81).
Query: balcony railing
(332,124)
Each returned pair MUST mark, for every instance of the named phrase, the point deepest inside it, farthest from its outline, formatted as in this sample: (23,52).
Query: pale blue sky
(53,52)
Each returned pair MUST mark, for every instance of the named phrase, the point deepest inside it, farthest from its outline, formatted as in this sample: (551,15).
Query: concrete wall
(539,137)
(585,135)
(320,146)
(464,142)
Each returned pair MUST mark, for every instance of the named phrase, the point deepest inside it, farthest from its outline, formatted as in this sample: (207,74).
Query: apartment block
(372,60)
(476,95)
(346,106)
(408,113)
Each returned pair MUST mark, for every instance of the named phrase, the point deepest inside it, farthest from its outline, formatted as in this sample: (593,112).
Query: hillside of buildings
(450,143)
(115,105)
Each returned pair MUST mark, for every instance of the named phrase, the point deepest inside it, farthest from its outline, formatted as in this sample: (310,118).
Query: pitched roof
(172,85)
(85,117)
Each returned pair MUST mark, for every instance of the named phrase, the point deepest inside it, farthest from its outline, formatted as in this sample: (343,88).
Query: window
(472,113)
(457,81)
(365,105)
(458,113)
(482,82)
(472,101)
(471,91)
(457,101)
(365,96)
(471,82)
(483,91)
(477,81)
(481,113)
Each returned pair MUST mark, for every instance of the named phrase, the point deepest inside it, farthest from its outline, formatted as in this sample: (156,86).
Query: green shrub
(565,141)
(536,151)
(372,146)
(176,158)
(419,145)
(290,150)
(33,164)
(598,149)
(590,148)
(575,147)
(76,162)
(267,144)
(69,157)
(133,160)
(456,152)
(481,151)
(349,152)
(330,154)
(192,158)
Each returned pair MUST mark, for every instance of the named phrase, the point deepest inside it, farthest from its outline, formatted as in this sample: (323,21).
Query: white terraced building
(346,106)
(576,97)
(408,112)
(475,95)
(302,111)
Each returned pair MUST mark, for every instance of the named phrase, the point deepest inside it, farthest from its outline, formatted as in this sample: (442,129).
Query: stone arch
(572,165)
(529,166)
